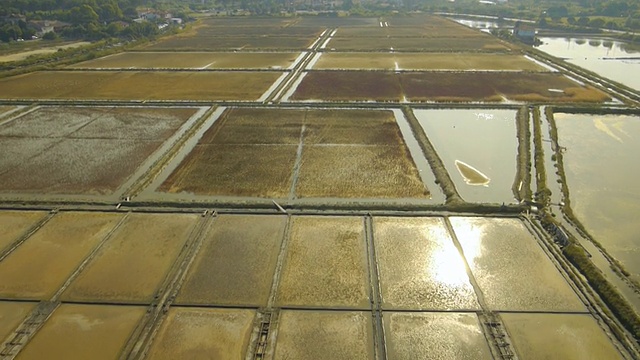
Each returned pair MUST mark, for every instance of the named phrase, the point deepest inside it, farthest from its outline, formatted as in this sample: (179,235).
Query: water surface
(602,172)
(478,148)
(614,60)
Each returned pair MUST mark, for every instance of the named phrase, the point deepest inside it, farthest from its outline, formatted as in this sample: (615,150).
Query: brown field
(434,86)
(249,22)
(360,127)
(233,30)
(16,223)
(359,172)
(193,60)
(325,265)
(256,126)
(279,126)
(422,20)
(192,333)
(235,170)
(514,86)
(98,123)
(204,43)
(426,61)
(82,150)
(11,315)
(336,335)
(236,263)
(407,31)
(338,157)
(145,85)
(76,331)
(383,43)
(131,265)
(39,267)
(345,86)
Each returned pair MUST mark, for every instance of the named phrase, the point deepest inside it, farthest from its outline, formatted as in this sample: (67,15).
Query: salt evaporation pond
(614,60)
(478,148)
(602,172)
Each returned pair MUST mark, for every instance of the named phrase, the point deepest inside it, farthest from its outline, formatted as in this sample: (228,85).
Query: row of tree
(86,19)
(73,11)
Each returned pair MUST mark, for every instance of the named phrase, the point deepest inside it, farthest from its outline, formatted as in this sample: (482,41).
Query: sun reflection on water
(470,233)
(446,266)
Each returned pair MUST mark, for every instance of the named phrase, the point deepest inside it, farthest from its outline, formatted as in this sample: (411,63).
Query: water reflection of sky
(574,48)
(477,24)
(600,164)
(611,59)
(483,139)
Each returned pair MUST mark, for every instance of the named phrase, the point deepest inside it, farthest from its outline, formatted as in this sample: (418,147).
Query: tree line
(85,19)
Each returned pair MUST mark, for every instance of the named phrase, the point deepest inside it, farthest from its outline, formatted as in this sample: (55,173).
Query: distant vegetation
(24,20)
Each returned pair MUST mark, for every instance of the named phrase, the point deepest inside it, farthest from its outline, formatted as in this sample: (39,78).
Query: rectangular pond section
(197,333)
(511,268)
(478,147)
(600,165)
(559,336)
(325,264)
(420,268)
(236,263)
(337,335)
(133,263)
(41,265)
(84,332)
(437,336)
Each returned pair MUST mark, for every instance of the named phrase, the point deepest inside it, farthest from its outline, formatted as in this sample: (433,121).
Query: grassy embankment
(523,170)
(442,176)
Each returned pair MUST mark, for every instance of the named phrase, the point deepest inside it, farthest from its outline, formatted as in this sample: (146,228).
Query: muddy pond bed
(138,85)
(131,265)
(81,150)
(76,331)
(191,60)
(426,61)
(41,265)
(443,86)
(300,154)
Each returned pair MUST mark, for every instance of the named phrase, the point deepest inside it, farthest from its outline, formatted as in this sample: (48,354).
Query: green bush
(50,36)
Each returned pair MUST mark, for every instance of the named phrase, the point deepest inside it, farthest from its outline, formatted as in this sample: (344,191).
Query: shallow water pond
(478,148)
(602,175)
(615,60)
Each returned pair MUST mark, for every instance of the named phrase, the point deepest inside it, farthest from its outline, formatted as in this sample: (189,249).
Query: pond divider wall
(442,176)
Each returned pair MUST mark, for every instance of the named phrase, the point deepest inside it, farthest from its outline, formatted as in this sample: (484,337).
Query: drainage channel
(285,85)
(264,335)
(375,296)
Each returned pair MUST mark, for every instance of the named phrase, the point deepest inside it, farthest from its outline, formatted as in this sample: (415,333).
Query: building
(525,32)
